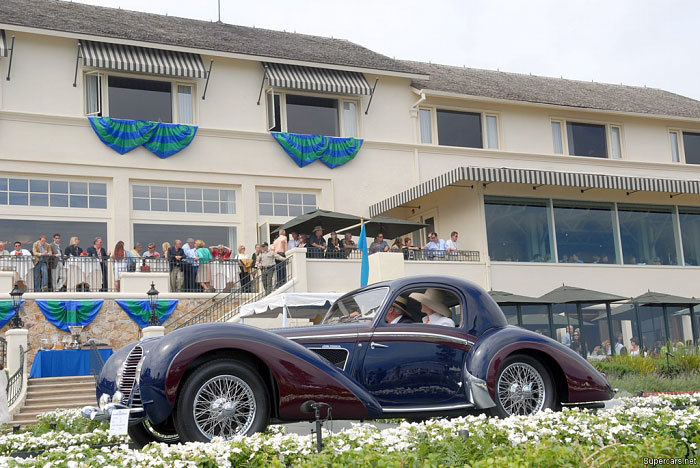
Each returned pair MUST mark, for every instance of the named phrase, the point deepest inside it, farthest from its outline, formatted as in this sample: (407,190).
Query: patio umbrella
(651,297)
(503,298)
(568,294)
(329,220)
(390,227)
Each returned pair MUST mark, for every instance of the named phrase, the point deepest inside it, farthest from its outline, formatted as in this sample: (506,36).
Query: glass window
(185,104)
(140,191)
(176,206)
(58,186)
(362,304)
(491,131)
(647,235)
(557,138)
(159,233)
(141,204)
(536,318)
(3,184)
(59,200)
(19,198)
(28,231)
(690,233)
(138,99)
(285,203)
(274,122)
(691,147)
(98,189)
(98,202)
(595,334)
(586,140)
(93,94)
(39,199)
(194,206)
(181,199)
(426,125)
(159,192)
(584,232)
(651,319)
(625,327)
(177,193)
(675,152)
(3,198)
(39,186)
(78,188)
(518,230)
(615,143)
(350,119)
(19,185)
(158,204)
(78,201)
(41,192)
(680,326)
(312,115)
(193,193)
(459,129)
(511,313)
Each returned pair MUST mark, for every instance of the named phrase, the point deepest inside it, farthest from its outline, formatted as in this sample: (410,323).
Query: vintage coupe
(225,379)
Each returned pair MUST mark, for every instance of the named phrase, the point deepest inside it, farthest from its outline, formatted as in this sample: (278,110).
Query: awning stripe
(536,177)
(3,43)
(316,79)
(142,60)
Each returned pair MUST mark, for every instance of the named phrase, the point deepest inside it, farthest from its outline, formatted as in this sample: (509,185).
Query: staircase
(48,394)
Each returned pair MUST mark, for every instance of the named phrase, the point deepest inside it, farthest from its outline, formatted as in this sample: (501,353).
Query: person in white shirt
(294,242)
(452,245)
(433,304)
(189,265)
(58,272)
(19,251)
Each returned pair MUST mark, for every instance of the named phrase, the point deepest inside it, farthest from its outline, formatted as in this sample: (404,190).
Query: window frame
(168,215)
(484,129)
(281,219)
(608,125)
(681,145)
(271,92)
(103,99)
(48,179)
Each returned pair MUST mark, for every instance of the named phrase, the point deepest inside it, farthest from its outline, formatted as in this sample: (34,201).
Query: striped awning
(142,60)
(536,177)
(3,43)
(316,79)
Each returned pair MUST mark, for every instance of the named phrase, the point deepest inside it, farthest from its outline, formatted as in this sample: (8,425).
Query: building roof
(183,32)
(554,91)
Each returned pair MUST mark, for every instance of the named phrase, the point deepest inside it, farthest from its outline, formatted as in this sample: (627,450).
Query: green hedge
(682,363)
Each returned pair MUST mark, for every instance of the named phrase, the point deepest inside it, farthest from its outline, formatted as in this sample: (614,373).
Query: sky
(640,43)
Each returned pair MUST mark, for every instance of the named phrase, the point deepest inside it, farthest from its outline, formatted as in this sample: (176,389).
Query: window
(690,232)
(584,232)
(587,139)
(459,129)
(675,150)
(491,132)
(518,230)
(647,235)
(274,123)
(311,115)
(139,99)
(350,118)
(28,231)
(159,233)
(426,125)
(691,147)
(53,193)
(285,203)
(536,318)
(183,199)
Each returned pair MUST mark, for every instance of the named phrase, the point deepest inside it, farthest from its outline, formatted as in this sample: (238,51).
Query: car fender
(300,374)
(582,381)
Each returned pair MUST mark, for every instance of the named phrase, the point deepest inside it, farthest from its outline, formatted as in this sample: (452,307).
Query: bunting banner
(62,314)
(305,149)
(140,311)
(7,312)
(162,139)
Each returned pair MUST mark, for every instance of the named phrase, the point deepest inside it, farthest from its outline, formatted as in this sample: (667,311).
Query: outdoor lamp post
(16,295)
(153,300)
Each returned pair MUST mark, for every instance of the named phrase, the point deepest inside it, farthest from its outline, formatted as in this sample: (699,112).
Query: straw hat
(433,298)
(318,228)
(401,303)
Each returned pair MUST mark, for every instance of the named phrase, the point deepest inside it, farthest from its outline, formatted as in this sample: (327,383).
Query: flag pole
(364,270)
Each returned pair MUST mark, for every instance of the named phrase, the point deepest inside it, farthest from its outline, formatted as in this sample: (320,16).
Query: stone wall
(111,326)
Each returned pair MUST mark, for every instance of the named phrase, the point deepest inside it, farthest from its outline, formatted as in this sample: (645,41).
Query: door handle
(374,345)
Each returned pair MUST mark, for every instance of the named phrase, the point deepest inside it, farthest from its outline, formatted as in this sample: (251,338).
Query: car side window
(430,306)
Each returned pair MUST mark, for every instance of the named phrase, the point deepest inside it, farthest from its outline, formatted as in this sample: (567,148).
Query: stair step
(43,393)
(45,385)
(43,408)
(70,379)
(58,400)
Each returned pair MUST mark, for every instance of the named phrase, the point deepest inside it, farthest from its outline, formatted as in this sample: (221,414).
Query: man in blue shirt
(379,245)
(435,247)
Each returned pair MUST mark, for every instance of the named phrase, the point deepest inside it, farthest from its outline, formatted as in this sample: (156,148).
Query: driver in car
(398,312)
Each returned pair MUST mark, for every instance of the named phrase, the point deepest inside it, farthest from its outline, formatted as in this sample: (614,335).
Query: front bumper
(107,405)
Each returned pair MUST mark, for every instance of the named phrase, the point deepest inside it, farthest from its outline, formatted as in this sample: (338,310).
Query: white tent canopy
(304,305)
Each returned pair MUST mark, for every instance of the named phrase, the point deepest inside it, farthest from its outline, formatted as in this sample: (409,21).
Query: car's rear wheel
(221,398)
(523,387)
(144,433)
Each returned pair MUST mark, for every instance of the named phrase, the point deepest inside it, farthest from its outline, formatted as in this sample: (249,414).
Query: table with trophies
(66,357)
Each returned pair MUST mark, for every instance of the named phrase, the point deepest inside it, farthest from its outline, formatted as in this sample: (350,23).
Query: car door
(416,366)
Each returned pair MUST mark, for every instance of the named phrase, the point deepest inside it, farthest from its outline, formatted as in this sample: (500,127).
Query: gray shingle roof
(555,91)
(171,30)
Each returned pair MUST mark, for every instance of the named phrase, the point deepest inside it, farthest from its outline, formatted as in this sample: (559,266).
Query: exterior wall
(111,325)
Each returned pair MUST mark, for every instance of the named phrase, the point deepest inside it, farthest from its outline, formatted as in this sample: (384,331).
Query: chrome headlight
(117,397)
(104,400)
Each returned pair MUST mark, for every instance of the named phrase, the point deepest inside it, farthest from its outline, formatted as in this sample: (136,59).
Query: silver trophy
(75,331)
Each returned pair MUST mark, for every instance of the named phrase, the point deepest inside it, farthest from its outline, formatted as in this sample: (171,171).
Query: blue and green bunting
(62,314)
(305,149)
(159,138)
(7,312)
(140,311)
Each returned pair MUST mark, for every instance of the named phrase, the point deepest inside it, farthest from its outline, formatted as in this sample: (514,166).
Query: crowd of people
(189,263)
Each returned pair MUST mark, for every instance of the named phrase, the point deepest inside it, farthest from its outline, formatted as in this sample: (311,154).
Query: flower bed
(661,426)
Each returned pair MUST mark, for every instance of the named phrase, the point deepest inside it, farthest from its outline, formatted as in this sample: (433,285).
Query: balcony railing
(91,274)
(408,254)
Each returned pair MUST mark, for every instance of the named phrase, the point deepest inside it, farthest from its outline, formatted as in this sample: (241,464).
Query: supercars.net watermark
(651,461)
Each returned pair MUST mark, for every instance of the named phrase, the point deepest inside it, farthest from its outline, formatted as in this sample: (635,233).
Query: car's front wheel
(221,398)
(523,387)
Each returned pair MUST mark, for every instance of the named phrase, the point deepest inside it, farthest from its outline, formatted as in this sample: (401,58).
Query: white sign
(119,422)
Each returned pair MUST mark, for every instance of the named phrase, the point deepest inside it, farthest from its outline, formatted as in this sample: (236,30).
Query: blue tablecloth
(64,363)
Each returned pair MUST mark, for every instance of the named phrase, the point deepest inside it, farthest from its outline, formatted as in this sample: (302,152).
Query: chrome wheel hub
(521,389)
(224,406)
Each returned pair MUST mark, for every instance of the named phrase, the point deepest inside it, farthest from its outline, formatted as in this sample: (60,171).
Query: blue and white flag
(364,271)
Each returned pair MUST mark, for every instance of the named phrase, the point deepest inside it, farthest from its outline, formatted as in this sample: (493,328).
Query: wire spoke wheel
(521,389)
(224,406)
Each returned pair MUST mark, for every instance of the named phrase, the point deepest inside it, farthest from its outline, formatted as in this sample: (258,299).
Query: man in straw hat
(316,244)
(398,312)
(433,304)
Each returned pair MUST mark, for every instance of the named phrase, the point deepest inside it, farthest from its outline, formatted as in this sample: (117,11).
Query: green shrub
(654,383)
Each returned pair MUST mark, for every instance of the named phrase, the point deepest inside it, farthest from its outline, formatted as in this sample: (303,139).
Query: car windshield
(361,306)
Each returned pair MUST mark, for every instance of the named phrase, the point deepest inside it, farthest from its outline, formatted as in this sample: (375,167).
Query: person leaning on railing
(347,245)
(175,256)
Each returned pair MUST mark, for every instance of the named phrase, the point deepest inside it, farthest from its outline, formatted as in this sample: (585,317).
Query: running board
(427,409)
(592,405)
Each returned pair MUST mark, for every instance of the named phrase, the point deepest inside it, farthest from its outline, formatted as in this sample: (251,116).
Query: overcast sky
(645,42)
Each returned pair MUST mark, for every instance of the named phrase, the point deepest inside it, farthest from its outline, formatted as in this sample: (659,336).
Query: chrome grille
(128,373)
